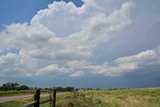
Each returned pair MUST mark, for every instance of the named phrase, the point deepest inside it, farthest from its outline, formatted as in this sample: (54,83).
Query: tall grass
(142,97)
(117,98)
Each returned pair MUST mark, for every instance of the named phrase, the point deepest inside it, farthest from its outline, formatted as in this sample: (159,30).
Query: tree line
(17,87)
(64,88)
(13,87)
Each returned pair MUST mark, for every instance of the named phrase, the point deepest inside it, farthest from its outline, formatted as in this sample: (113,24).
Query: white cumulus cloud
(52,69)
(15,65)
(65,33)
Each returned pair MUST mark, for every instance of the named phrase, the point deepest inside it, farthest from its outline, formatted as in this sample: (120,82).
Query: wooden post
(37,98)
(54,98)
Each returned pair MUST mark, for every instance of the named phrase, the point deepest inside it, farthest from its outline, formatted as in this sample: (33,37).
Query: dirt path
(14,98)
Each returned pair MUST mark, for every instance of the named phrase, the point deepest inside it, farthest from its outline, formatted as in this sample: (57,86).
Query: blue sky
(96,44)
(19,11)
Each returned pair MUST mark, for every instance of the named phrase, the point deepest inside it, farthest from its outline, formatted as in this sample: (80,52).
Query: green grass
(16,93)
(149,97)
(15,103)
(20,103)
(142,97)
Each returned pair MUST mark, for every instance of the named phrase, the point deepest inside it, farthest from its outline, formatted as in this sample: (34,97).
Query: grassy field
(15,93)
(117,98)
(20,103)
(142,97)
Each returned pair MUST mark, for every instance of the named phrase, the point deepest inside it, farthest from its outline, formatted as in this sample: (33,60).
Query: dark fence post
(54,98)
(37,98)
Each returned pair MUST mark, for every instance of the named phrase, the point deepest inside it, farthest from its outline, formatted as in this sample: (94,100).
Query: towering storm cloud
(64,39)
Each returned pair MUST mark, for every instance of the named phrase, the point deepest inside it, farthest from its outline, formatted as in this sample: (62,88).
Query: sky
(84,44)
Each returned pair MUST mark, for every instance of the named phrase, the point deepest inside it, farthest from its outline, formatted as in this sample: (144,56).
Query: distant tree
(31,88)
(7,86)
(23,87)
(76,89)
(64,89)
(13,86)
(69,88)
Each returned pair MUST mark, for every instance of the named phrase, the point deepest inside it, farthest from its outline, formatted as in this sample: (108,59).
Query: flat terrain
(138,97)
(143,97)
(15,98)
(20,100)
